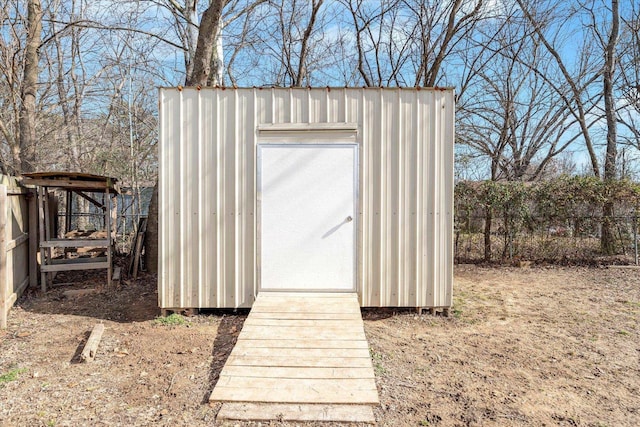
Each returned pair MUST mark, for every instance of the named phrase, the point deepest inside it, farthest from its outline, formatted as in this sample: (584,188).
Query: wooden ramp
(299,357)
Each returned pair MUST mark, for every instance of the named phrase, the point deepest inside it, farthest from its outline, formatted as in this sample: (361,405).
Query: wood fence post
(33,238)
(4,292)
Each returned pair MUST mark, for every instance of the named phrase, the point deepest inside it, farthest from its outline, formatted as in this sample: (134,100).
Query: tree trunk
(304,48)
(217,58)
(191,15)
(27,120)
(151,237)
(488,218)
(209,30)
(607,239)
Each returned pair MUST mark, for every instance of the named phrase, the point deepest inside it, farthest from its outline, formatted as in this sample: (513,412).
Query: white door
(307,225)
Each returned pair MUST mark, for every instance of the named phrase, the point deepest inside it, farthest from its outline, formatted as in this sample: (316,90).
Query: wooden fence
(18,244)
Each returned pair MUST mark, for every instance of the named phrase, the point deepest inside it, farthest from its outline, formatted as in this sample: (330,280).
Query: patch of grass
(377,363)
(623,333)
(459,302)
(173,319)
(12,375)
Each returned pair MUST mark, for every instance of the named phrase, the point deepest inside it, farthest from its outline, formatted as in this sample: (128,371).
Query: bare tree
(629,84)
(604,31)
(610,171)
(209,42)
(28,137)
(407,42)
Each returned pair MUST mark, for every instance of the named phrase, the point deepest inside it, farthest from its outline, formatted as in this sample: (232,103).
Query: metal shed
(327,189)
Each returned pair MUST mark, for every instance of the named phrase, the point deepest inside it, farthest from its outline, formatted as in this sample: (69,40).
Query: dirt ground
(530,347)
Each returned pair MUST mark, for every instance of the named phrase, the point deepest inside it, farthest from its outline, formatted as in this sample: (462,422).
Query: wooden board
(306,315)
(281,333)
(304,343)
(279,295)
(76,266)
(290,372)
(297,392)
(300,348)
(243,349)
(302,413)
(313,362)
(270,321)
(75,243)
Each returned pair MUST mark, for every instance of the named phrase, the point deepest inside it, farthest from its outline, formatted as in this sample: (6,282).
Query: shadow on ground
(226,338)
(130,301)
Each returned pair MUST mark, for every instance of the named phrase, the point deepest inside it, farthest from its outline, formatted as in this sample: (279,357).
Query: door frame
(300,142)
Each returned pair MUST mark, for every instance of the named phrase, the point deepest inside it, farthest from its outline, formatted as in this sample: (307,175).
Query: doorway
(307,204)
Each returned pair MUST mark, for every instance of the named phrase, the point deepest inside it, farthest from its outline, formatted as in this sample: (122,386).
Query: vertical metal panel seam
(201,213)
(403,144)
(180,197)
(380,208)
(366,280)
(161,139)
(327,101)
(363,253)
(436,200)
(238,187)
(220,205)
(418,217)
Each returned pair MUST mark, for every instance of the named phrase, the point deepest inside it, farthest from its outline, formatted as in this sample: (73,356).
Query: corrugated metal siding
(208,227)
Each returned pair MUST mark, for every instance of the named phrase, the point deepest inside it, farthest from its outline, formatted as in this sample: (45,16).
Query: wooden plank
(4,283)
(303,343)
(33,239)
(309,311)
(340,306)
(281,295)
(312,302)
(18,291)
(318,384)
(296,412)
(245,349)
(312,362)
(41,224)
(78,260)
(117,271)
(290,372)
(345,328)
(75,243)
(12,244)
(278,332)
(91,347)
(296,392)
(89,199)
(68,211)
(107,226)
(47,229)
(303,315)
(71,267)
(137,253)
(65,183)
(330,322)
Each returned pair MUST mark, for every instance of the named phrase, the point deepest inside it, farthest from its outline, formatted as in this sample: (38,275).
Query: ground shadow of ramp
(299,357)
